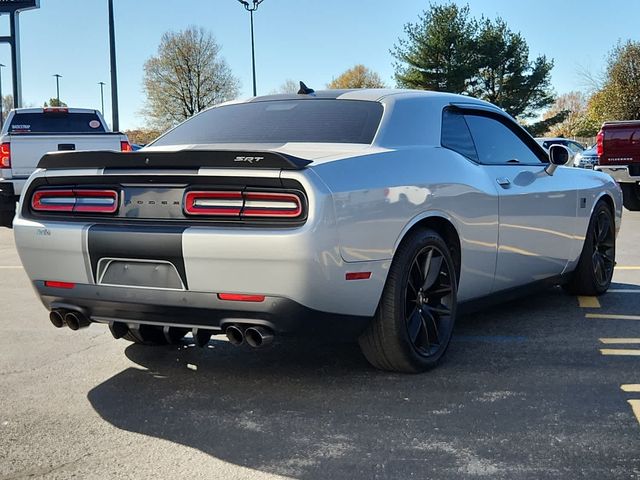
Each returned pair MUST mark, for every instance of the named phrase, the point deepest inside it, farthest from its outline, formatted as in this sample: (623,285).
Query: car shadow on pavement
(317,411)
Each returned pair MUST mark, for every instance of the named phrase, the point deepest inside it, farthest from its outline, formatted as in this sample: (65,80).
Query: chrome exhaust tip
(235,335)
(57,318)
(258,336)
(76,320)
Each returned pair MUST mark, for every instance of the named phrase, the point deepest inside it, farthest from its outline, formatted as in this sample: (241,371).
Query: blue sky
(296,39)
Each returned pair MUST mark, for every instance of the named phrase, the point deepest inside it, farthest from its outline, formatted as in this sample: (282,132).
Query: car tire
(631,196)
(594,271)
(412,326)
(153,336)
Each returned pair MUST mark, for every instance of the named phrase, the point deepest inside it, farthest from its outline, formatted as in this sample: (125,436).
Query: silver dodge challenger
(369,214)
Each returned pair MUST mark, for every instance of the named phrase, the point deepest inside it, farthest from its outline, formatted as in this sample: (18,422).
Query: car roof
(372,95)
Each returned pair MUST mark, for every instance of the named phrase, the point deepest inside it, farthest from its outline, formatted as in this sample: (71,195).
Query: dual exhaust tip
(255,336)
(75,320)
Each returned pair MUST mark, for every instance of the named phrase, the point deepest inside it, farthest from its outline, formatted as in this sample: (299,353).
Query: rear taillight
(5,155)
(225,204)
(75,200)
(600,143)
(282,205)
(243,204)
(125,147)
(55,110)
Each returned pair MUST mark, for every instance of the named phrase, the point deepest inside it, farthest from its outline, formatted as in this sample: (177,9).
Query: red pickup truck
(618,149)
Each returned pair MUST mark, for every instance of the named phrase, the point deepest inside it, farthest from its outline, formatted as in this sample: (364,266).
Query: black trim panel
(182,159)
(134,242)
(121,183)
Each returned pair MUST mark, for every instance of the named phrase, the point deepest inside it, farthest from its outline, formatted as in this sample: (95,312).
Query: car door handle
(503,182)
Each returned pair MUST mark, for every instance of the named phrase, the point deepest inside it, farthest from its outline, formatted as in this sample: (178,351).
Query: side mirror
(558,155)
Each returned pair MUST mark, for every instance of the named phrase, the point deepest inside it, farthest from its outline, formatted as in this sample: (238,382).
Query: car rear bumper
(196,310)
(620,173)
(302,265)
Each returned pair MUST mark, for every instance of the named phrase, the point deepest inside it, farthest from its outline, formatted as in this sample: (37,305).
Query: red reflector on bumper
(358,276)
(66,285)
(237,297)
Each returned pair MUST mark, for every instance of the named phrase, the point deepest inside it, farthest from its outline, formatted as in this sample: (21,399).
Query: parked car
(29,133)
(575,148)
(276,216)
(618,148)
(587,159)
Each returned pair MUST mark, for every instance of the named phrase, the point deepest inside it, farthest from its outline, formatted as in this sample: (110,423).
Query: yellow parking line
(619,341)
(618,267)
(630,388)
(635,406)
(607,316)
(588,302)
(620,352)
(10,267)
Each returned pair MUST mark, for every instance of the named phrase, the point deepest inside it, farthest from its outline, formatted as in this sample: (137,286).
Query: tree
(54,102)
(7,106)
(448,50)
(619,98)
(575,106)
(142,136)
(288,86)
(438,51)
(357,77)
(186,76)
(505,76)
(541,127)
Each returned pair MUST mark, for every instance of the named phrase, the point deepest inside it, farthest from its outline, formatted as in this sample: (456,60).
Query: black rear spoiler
(179,159)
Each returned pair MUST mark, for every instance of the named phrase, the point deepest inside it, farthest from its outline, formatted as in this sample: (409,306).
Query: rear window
(58,122)
(281,121)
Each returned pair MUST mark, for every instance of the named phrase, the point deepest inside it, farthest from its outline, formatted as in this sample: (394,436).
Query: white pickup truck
(29,133)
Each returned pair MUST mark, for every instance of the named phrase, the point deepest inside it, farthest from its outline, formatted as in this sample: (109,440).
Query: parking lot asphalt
(543,387)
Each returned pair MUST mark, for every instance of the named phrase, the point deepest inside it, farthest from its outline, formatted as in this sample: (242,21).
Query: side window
(497,144)
(574,147)
(456,135)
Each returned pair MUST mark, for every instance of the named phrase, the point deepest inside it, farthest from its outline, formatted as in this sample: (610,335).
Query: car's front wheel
(414,321)
(594,271)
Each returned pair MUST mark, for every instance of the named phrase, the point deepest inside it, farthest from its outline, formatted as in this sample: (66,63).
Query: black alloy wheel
(414,321)
(428,297)
(594,271)
(603,257)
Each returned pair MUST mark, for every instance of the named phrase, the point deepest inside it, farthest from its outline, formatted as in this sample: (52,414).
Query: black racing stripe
(137,242)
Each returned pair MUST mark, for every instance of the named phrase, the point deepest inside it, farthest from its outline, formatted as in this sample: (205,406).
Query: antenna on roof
(304,90)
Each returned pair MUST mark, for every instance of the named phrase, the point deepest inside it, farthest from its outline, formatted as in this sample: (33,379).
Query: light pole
(115,124)
(2,65)
(58,77)
(252,8)
(102,84)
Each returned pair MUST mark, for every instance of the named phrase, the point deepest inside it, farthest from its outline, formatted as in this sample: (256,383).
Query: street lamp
(58,77)
(115,115)
(2,65)
(102,84)
(252,8)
